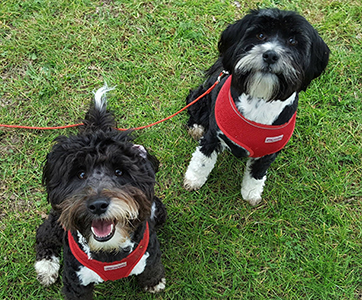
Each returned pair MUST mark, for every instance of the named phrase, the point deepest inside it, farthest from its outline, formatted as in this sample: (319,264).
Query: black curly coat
(99,175)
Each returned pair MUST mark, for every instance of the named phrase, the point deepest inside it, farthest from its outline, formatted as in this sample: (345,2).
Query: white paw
(47,270)
(251,189)
(192,182)
(157,288)
(252,197)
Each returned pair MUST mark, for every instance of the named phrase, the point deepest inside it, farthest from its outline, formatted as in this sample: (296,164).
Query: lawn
(303,242)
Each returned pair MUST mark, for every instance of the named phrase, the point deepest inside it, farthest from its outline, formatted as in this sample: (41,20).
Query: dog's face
(272,53)
(101,184)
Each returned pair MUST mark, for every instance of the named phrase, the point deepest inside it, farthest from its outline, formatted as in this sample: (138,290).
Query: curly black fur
(98,175)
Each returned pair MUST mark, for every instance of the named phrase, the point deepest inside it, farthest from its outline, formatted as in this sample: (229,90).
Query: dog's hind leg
(199,113)
(49,240)
(254,178)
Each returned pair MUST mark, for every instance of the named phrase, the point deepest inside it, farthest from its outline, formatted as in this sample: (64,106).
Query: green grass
(303,242)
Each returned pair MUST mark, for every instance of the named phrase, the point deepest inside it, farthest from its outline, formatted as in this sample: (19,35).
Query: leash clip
(222,74)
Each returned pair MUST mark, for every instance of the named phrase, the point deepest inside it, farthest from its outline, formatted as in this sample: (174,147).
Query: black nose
(270,57)
(98,206)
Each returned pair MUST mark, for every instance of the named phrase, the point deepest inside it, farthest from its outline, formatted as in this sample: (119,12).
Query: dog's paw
(196,131)
(251,189)
(192,185)
(47,270)
(157,288)
(253,200)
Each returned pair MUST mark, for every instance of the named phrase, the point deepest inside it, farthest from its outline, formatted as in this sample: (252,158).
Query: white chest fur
(261,111)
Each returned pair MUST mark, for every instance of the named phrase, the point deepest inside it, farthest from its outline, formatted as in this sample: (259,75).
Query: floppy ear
(319,56)
(230,38)
(56,167)
(141,150)
(151,158)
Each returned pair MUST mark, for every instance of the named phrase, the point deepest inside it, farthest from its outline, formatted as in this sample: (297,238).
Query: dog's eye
(118,172)
(82,175)
(261,36)
(292,41)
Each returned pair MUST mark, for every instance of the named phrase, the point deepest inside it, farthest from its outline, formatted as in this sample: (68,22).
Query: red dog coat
(258,139)
(114,270)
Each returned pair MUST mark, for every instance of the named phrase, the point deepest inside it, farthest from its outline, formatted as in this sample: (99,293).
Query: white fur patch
(87,276)
(141,265)
(100,100)
(141,149)
(261,111)
(83,242)
(153,211)
(251,188)
(47,270)
(157,288)
(199,169)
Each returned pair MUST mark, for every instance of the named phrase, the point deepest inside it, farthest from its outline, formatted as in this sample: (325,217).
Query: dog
(104,212)
(268,56)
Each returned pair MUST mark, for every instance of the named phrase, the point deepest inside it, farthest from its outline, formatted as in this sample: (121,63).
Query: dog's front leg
(254,178)
(78,281)
(49,240)
(152,279)
(199,169)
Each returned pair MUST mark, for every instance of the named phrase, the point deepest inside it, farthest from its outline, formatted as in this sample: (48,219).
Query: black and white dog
(104,212)
(270,56)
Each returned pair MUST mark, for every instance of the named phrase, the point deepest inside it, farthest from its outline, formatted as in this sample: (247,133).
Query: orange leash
(122,129)
(39,128)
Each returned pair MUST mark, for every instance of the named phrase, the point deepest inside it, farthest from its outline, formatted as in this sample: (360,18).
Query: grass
(303,242)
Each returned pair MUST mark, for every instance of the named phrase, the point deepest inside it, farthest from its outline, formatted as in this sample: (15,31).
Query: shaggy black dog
(104,212)
(270,56)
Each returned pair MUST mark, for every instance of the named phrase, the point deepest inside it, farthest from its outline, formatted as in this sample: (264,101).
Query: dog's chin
(113,237)
(264,85)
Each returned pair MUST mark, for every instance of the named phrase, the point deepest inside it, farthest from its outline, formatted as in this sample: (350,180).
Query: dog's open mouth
(103,230)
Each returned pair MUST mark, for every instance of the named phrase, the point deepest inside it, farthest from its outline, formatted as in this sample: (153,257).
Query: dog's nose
(270,57)
(98,206)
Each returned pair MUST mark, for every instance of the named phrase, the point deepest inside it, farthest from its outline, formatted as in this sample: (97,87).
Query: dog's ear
(230,38)
(154,162)
(144,153)
(319,56)
(54,170)
(141,150)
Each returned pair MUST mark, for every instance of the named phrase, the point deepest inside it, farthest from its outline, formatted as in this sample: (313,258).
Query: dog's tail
(98,117)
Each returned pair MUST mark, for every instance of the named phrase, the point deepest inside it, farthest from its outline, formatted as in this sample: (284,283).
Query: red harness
(258,139)
(113,270)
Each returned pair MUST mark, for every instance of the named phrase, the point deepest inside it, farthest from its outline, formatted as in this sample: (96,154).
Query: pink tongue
(102,228)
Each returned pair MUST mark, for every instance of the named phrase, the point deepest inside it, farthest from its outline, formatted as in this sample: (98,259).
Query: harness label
(115,267)
(274,139)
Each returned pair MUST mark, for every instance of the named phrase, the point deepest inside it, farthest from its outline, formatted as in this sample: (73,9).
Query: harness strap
(111,270)
(258,139)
